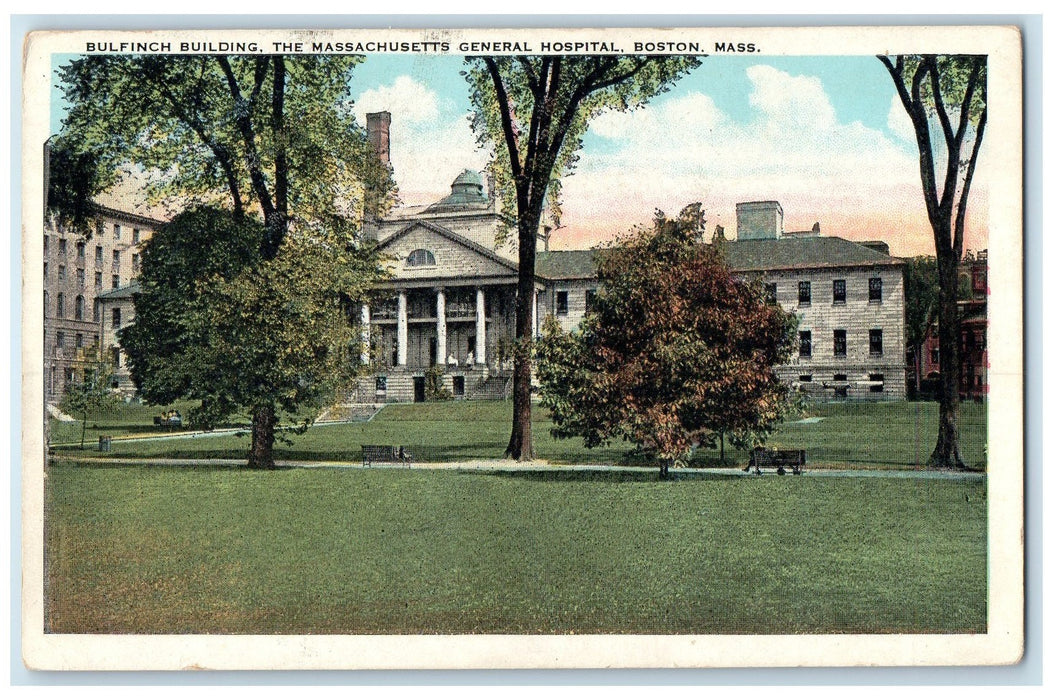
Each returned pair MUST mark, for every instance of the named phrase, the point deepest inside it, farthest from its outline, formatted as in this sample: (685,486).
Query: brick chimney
(378,128)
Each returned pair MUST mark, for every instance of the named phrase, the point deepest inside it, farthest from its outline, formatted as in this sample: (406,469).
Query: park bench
(777,459)
(175,421)
(378,454)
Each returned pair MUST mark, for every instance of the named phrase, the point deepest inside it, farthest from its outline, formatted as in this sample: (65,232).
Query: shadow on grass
(614,476)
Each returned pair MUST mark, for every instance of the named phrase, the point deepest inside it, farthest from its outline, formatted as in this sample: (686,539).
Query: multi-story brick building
(78,271)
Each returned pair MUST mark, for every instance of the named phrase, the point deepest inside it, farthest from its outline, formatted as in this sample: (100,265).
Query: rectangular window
(562,304)
(876,341)
(804,293)
(806,344)
(45,269)
(116,232)
(771,292)
(116,258)
(875,290)
(60,340)
(841,385)
(62,273)
(590,299)
(115,353)
(115,281)
(840,291)
(934,356)
(135,236)
(877,383)
(116,318)
(80,277)
(804,378)
(95,311)
(98,255)
(840,343)
(62,246)
(80,250)
(135,263)
(47,239)
(382,384)
(80,340)
(98,280)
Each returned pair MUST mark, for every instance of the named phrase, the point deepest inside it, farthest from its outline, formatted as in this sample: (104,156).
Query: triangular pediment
(455,257)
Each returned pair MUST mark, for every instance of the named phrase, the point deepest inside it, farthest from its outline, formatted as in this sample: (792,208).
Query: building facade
(79,271)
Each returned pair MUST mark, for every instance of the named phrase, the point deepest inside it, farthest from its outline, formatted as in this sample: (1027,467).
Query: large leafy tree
(533,111)
(921,298)
(198,335)
(946,100)
(676,351)
(266,137)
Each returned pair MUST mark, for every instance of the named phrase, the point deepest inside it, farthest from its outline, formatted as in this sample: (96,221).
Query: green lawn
(884,435)
(195,550)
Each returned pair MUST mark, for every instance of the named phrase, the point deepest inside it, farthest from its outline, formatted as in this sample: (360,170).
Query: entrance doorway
(418,389)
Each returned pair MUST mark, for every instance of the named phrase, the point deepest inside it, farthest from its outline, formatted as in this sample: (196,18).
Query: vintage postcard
(522,348)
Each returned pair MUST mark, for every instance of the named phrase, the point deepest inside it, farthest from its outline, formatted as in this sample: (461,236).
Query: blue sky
(823,135)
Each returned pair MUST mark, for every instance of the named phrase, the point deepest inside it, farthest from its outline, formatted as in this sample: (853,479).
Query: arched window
(420,258)
(78,309)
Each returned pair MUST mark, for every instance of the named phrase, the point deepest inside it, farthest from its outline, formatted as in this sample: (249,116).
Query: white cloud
(898,121)
(429,146)
(791,148)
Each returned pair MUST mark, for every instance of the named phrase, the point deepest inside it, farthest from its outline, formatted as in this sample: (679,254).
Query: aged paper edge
(1002,644)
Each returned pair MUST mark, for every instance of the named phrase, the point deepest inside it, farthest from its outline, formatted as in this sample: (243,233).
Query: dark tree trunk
(521,443)
(947,454)
(261,452)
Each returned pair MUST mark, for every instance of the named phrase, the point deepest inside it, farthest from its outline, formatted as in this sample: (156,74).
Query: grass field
(884,435)
(196,550)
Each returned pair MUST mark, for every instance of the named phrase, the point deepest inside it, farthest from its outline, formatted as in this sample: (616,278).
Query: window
(875,290)
(804,378)
(115,353)
(98,255)
(60,305)
(62,273)
(60,340)
(135,236)
(45,270)
(62,246)
(80,250)
(80,277)
(98,280)
(840,343)
(841,385)
(78,308)
(771,292)
(47,239)
(116,317)
(382,384)
(877,383)
(95,340)
(95,311)
(804,293)
(115,281)
(100,228)
(934,356)
(458,385)
(135,263)
(116,232)
(47,302)
(839,291)
(420,258)
(876,344)
(806,344)
(562,304)
(116,258)
(590,299)
(79,342)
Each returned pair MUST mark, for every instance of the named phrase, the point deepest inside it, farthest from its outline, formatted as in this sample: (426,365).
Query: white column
(534,317)
(403,331)
(365,334)
(440,326)
(480,327)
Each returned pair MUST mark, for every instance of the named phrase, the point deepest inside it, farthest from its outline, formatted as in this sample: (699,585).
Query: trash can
(104,443)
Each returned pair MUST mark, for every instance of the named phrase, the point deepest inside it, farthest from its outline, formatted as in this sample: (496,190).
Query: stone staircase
(350,413)
(494,388)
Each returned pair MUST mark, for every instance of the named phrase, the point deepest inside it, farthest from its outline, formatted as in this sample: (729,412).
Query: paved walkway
(501,465)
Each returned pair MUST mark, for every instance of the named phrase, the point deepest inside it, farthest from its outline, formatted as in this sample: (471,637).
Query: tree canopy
(198,335)
(533,112)
(674,352)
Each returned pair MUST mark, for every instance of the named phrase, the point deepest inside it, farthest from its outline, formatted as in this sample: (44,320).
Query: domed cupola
(466,192)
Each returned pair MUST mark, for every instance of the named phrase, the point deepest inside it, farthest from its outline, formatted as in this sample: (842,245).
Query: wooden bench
(779,459)
(391,454)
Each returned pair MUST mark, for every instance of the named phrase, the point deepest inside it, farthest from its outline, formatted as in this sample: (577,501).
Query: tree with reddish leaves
(946,95)
(675,352)
(533,111)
